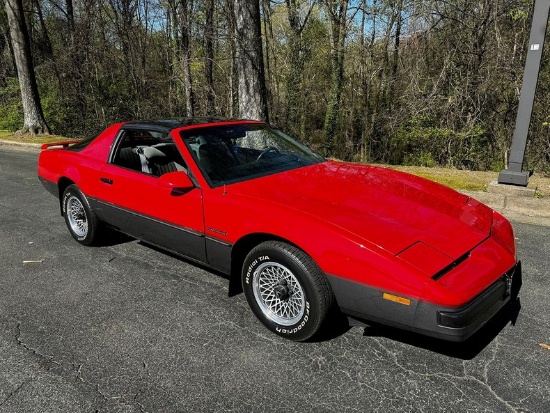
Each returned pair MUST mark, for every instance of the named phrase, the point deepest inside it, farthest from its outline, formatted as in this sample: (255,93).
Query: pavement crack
(103,395)
(141,406)
(107,398)
(44,357)
(15,391)
(450,377)
(73,370)
(485,382)
(79,372)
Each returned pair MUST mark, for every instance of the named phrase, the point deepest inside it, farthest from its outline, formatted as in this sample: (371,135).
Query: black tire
(79,216)
(286,290)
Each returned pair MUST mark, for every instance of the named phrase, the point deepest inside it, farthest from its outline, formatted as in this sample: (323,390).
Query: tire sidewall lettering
(252,267)
(66,196)
(301,324)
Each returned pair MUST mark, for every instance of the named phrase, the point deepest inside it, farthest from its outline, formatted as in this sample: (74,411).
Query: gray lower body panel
(180,241)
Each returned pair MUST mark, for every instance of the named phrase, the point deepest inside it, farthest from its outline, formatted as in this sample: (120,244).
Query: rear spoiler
(64,144)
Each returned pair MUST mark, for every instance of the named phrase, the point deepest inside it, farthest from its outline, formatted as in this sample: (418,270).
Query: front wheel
(286,290)
(79,216)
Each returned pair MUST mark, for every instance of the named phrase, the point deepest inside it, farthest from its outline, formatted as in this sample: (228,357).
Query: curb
(21,144)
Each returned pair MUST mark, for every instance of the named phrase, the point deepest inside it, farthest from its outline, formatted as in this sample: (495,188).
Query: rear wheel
(79,216)
(286,290)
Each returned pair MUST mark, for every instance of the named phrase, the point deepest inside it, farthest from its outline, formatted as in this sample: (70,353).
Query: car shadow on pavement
(111,237)
(465,350)
(234,287)
(335,325)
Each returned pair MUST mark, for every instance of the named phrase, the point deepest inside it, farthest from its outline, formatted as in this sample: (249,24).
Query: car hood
(408,216)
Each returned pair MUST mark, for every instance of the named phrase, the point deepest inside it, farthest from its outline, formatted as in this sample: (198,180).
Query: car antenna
(224,191)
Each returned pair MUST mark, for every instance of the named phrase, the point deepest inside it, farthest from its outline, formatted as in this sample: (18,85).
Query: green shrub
(421,143)
(11,107)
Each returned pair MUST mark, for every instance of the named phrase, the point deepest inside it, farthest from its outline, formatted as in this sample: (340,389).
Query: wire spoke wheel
(76,215)
(278,293)
(79,216)
(286,290)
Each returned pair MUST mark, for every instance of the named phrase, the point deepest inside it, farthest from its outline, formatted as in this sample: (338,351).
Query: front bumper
(501,290)
(451,324)
(457,324)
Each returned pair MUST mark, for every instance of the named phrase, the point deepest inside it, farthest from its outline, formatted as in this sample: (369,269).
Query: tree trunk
(209,58)
(249,60)
(337,12)
(232,97)
(269,53)
(77,44)
(295,105)
(397,43)
(365,109)
(185,8)
(33,115)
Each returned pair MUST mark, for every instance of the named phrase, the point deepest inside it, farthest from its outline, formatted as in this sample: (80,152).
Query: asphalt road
(126,328)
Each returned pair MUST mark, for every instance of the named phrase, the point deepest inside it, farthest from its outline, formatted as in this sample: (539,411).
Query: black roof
(166,125)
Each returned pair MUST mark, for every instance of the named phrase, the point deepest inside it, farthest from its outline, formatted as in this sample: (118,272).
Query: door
(132,200)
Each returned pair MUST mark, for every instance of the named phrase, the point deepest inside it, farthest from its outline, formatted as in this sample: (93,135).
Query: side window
(147,151)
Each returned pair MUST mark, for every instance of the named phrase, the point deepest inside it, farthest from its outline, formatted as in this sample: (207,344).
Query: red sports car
(303,233)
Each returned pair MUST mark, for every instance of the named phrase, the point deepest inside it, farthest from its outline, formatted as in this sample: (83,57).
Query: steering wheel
(267,150)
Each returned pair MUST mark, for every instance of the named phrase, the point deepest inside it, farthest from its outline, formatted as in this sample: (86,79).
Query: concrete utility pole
(514,175)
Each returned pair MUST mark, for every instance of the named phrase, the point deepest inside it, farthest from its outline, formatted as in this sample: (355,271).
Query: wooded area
(394,81)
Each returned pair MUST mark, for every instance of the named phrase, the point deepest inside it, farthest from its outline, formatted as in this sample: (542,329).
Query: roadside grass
(28,138)
(455,178)
(461,180)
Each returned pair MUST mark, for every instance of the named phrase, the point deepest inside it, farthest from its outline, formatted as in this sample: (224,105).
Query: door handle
(106,180)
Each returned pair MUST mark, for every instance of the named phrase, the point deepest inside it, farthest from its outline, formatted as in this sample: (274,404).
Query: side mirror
(175,180)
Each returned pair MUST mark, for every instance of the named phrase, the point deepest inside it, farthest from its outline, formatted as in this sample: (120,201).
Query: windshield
(238,152)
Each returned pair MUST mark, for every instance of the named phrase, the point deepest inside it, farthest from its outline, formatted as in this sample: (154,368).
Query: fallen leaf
(545,346)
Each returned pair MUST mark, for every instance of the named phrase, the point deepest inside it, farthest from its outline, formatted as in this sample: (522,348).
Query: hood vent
(451,266)
(425,258)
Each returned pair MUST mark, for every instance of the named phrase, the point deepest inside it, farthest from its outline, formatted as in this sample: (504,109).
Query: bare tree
(33,116)
(294,96)
(180,16)
(337,16)
(209,35)
(185,55)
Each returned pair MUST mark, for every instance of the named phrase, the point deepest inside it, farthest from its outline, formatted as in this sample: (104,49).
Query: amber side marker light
(397,299)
